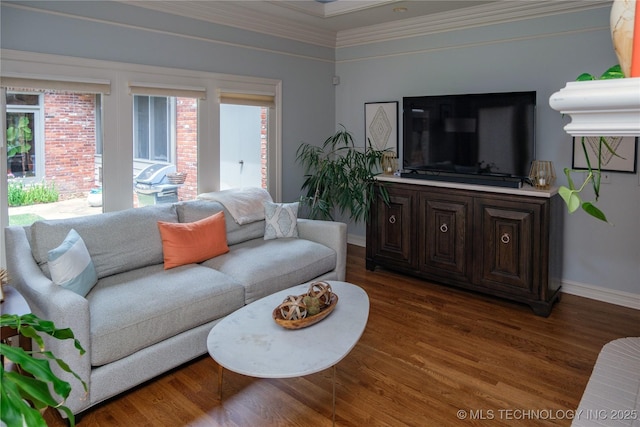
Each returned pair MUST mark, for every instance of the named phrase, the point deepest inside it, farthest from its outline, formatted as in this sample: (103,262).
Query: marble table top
(250,342)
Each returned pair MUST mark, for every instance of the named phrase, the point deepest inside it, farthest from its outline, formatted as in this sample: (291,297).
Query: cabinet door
(507,249)
(392,238)
(445,236)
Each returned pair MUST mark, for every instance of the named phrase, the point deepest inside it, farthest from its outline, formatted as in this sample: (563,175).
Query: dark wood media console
(502,242)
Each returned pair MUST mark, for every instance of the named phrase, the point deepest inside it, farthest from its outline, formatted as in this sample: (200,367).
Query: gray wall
(538,54)
(124,33)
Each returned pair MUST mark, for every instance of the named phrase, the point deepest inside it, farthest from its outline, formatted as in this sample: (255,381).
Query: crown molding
(600,107)
(234,15)
(487,14)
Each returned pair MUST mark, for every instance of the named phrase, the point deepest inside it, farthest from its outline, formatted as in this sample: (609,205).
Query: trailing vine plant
(571,193)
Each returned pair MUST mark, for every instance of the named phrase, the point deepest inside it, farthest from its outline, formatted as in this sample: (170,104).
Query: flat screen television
(484,138)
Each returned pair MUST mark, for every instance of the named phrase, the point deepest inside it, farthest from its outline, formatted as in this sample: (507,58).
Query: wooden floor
(430,356)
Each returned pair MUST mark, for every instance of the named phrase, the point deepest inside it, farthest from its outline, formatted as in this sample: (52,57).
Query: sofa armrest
(331,234)
(49,301)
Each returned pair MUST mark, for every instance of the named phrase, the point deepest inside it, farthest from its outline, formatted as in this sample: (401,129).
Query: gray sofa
(141,320)
(612,395)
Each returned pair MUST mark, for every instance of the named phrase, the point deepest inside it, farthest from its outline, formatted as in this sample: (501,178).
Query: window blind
(151,89)
(255,99)
(45,83)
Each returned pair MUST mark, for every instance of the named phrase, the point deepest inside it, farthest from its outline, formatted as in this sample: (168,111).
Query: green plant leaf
(592,210)
(14,409)
(39,368)
(570,197)
(585,77)
(614,72)
(28,324)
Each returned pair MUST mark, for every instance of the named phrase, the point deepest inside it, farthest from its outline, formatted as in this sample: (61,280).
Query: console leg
(370,265)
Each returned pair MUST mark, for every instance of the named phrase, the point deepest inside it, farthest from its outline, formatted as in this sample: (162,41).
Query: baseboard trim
(611,296)
(354,239)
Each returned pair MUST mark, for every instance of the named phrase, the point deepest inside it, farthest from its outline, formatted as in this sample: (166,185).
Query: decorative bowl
(306,321)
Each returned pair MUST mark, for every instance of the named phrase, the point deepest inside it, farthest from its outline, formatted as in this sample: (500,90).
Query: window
(243,146)
(165,141)
(153,128)
(246,152)
(53,166)
(23,135)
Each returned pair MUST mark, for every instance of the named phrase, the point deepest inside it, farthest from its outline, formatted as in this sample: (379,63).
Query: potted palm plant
(340,176)
(25,392)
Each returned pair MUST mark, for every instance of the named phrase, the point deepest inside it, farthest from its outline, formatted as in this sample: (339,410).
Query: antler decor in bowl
(297,312)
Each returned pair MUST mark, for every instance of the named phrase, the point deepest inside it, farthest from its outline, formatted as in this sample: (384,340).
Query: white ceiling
(343,15)
(345,22)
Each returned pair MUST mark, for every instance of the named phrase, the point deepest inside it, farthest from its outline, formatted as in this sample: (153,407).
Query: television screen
(489,134)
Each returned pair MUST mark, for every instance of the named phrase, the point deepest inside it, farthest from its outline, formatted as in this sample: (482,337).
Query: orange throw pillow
(192,242)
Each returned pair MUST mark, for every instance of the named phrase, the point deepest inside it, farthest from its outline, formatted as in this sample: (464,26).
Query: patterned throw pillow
(281,220)
(71,266)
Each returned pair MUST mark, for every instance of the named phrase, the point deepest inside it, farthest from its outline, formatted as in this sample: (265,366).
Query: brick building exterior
(70,143)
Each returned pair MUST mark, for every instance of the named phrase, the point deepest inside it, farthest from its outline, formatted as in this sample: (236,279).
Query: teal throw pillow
(71,266)
(281,220)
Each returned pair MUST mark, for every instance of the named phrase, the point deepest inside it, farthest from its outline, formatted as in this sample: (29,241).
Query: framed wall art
(624,146)
(381,125)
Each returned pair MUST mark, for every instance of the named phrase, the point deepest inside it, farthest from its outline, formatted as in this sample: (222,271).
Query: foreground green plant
(571,193)
(24,395)
(339,175)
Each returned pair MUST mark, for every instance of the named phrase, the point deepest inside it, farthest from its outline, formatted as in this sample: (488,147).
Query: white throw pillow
(281,220)
(71,266)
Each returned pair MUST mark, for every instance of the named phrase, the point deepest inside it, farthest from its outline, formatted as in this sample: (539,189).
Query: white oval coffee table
(250,342)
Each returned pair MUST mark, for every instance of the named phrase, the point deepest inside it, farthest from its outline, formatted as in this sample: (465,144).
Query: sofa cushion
(191,242)
(195,210)
(266,266)
(117,241)
(281,220)
(71,266)
(133,310)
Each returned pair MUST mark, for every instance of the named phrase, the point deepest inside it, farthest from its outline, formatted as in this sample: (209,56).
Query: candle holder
(389,162)
(542,175)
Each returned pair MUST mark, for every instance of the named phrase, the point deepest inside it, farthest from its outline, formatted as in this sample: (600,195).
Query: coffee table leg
(334,395)
(220,370)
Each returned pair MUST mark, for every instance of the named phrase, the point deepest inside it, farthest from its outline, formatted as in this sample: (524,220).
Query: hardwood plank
(428,352)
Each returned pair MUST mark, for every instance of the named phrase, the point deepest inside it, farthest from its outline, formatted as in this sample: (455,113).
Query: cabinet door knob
(444,228)
(505,238)
(392,219)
